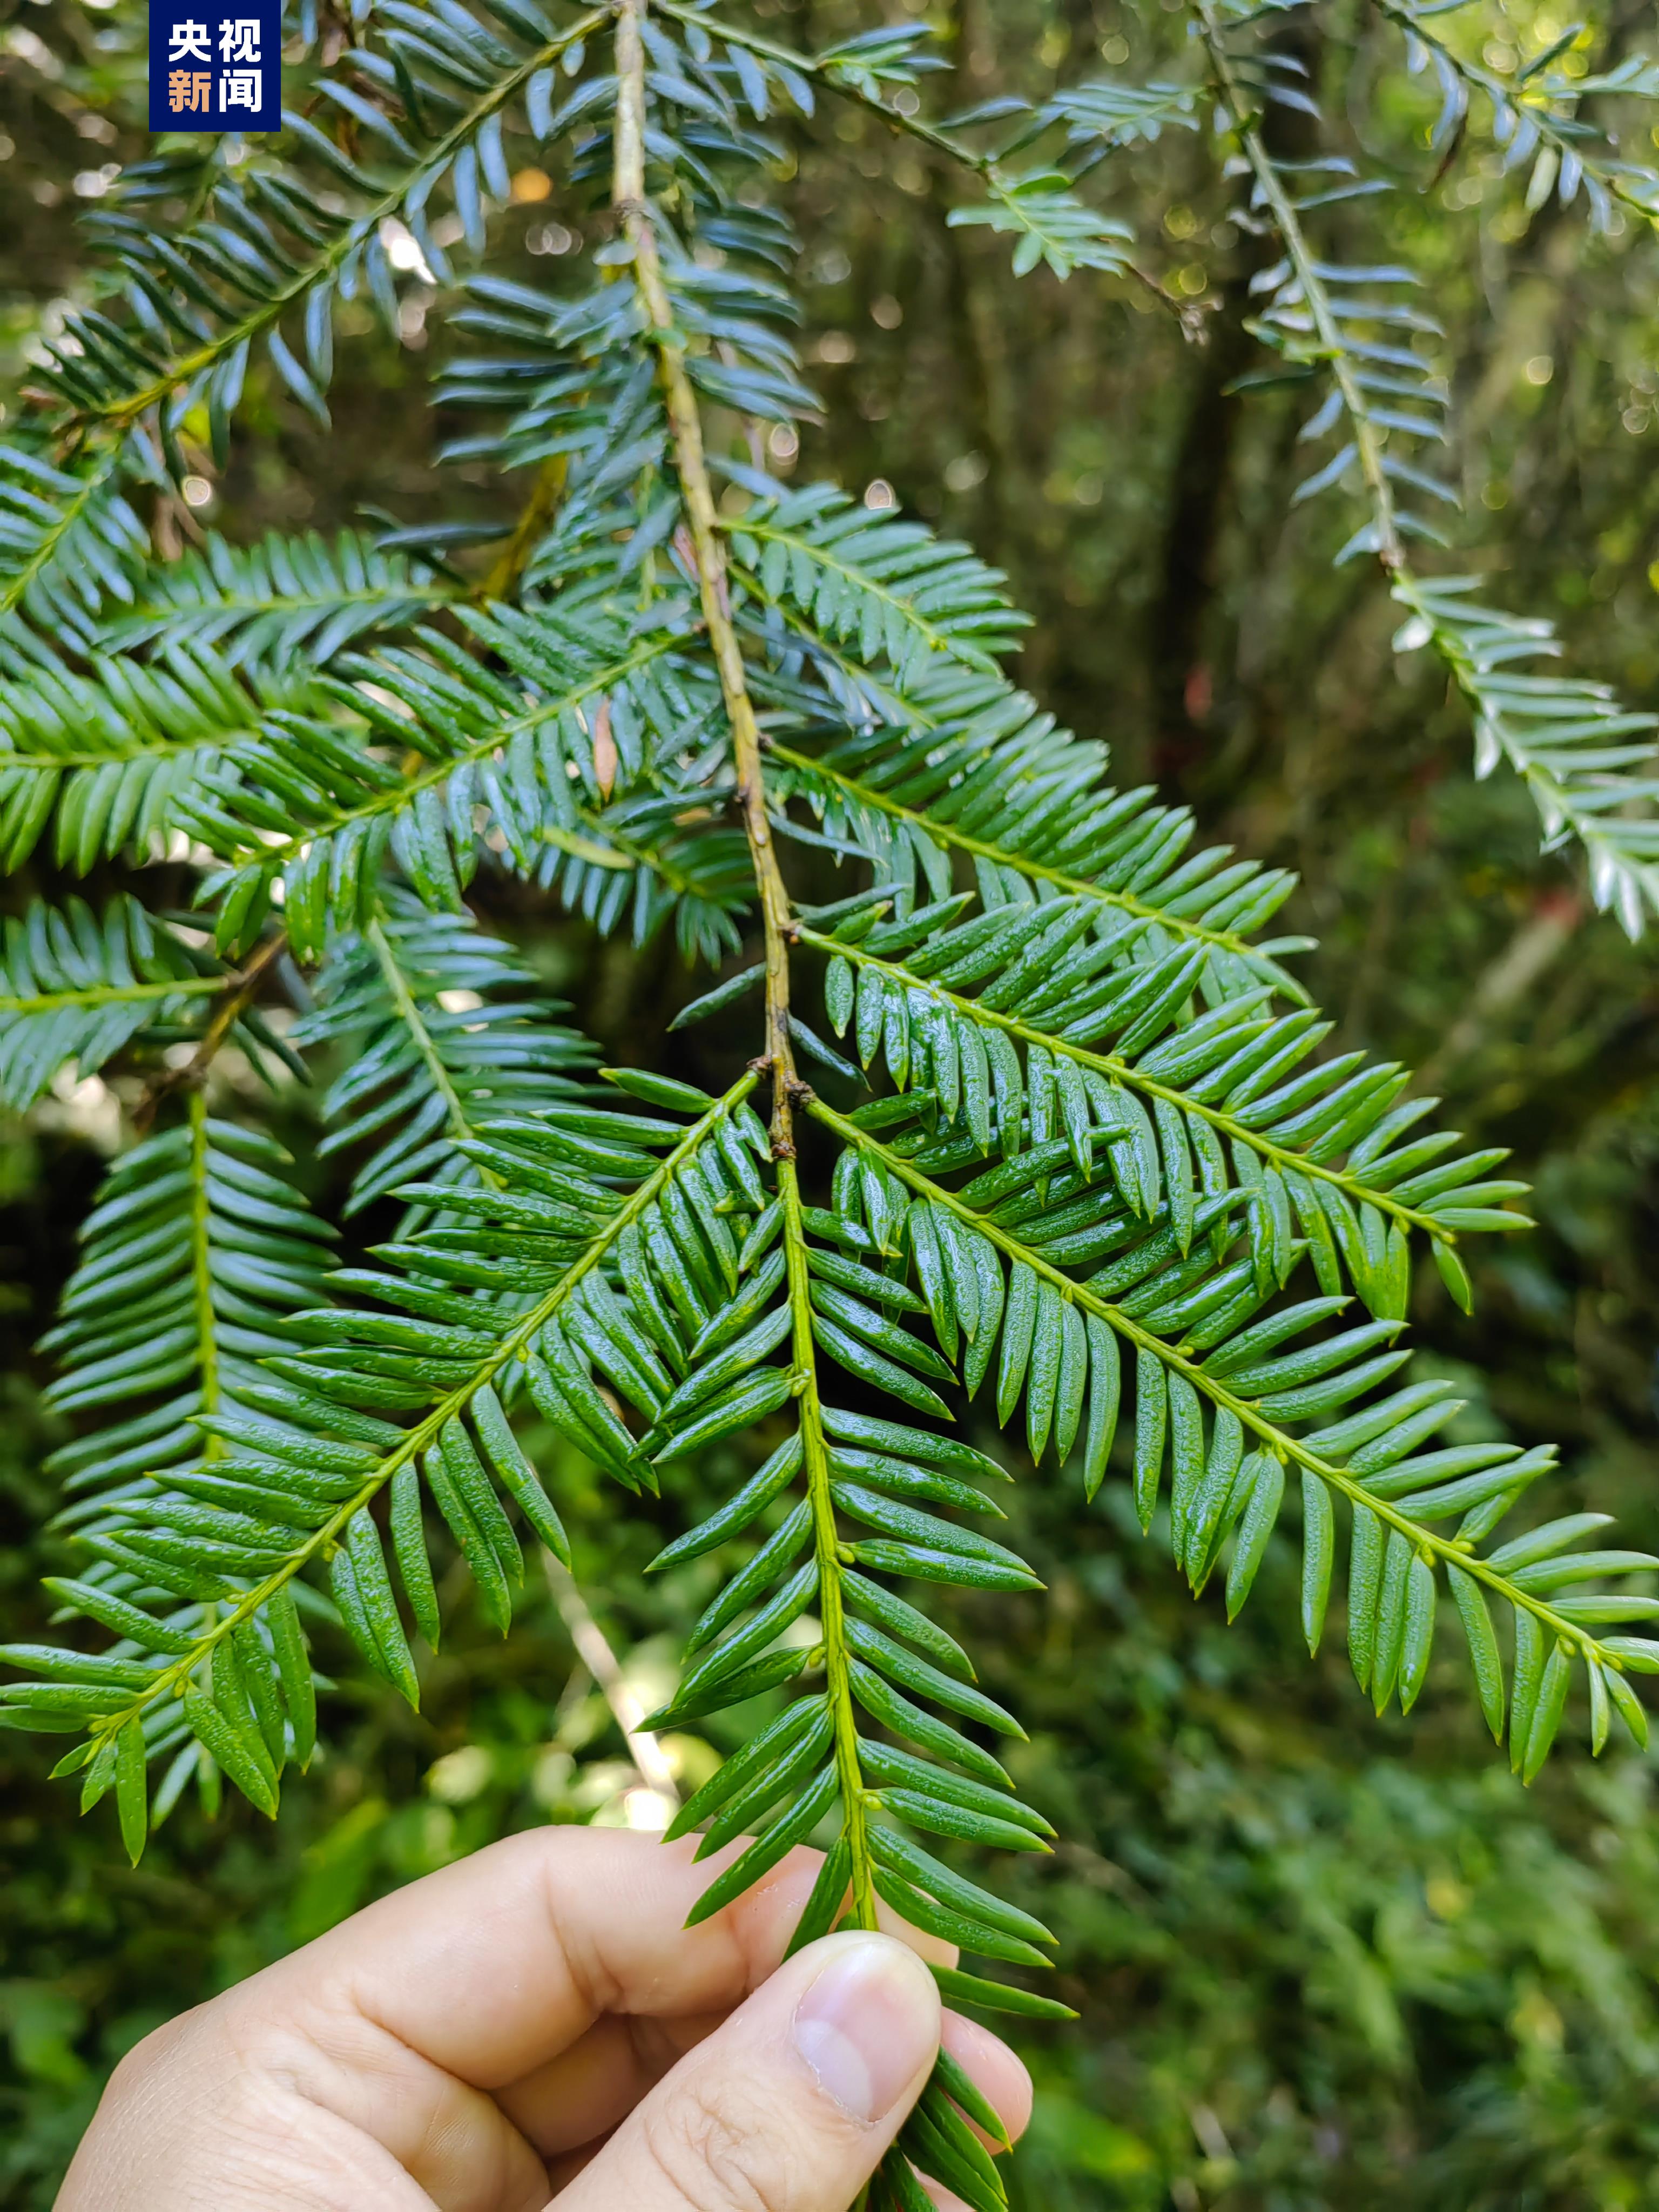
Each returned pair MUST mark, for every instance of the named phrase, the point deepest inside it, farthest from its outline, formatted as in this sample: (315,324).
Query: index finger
(493,1966)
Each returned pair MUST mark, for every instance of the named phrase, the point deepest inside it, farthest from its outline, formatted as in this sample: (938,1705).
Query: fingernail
(868,2025)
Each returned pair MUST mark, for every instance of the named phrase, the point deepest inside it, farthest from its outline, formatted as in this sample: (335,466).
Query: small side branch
(502,580)
(1368,445)
(117,411)
(1190,315)
(1430,1543)
(1566,740)
(240,991)
(170,1682)
(1564,136)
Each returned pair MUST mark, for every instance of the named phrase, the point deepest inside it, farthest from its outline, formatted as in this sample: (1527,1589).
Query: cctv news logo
(216,69)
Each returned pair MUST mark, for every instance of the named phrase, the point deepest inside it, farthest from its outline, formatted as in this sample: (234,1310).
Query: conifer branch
(1529,104)
(373,798)
(58,527)
(117,411)
(1242,114)
(1569,740)
(1119,1069)
(686,433)
(1094,1154)
(853,84)
(685,429)
(863,793)
(1457,1551)
(170,1681)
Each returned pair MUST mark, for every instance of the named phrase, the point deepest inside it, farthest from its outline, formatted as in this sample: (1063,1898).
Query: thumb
(789,2105)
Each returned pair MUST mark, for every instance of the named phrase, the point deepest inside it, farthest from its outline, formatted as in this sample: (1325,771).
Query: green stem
(1124,1071)
(633,852)
(414,1022)
(827,1546)
(111,994)
(171,1680)
(1449,1550)
(624,857)
(201,1265)
(48,763)
(426,592)
(621,852)
(15,586)
(64,762)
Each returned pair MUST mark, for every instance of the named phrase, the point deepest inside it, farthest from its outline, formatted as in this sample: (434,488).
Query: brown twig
(685,429)
(502,578)
(1192,314)
(240,991)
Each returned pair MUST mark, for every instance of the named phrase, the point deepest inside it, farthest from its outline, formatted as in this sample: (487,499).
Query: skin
(537,2024)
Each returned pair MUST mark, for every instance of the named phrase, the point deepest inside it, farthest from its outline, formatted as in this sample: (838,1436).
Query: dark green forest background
(1320,1961)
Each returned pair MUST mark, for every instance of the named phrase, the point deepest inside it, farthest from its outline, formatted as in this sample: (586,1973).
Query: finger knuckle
(153,2054)
(724,2147)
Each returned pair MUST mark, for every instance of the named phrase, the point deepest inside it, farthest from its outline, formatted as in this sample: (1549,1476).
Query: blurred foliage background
(1320,1962)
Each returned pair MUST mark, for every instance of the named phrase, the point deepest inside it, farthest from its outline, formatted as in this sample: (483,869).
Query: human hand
(537,2022)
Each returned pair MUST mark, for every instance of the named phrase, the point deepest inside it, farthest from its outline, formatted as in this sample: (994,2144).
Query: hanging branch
(1052,224)
(1526,120)
(1568,739)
